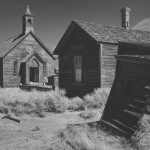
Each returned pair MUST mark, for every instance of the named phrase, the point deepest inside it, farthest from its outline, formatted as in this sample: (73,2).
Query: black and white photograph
(74,74)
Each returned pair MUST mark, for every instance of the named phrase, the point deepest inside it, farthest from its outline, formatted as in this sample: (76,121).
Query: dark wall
(130,49)
(1,72)
(128,96)
(79,44)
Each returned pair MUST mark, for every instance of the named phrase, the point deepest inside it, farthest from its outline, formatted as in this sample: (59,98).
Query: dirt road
(37,133)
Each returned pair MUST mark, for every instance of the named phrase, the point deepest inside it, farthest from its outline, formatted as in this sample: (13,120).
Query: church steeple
(28,21)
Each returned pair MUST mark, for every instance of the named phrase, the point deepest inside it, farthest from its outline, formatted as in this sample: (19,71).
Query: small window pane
(44,69)
(78,68)
(15,68)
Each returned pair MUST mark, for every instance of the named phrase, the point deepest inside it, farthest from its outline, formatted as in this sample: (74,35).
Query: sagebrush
(35,103)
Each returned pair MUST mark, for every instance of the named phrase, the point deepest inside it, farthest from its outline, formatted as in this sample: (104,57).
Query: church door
(34,71)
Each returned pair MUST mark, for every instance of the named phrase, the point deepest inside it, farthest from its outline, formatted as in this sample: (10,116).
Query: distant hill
(143,25)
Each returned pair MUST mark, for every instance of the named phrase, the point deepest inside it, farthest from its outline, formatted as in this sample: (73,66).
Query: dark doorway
(34,71)
(34,74)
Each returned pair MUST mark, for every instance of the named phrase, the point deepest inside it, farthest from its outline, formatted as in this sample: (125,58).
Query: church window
(44,69)
(15,68)
(29,21)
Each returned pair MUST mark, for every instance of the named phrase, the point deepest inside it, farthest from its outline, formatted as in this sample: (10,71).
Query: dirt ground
(37,133)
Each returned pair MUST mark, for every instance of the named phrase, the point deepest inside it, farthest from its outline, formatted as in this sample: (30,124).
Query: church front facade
(24,59)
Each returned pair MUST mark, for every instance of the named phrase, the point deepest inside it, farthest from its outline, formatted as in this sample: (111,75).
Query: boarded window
(44,69)
(78,68)
(15,68)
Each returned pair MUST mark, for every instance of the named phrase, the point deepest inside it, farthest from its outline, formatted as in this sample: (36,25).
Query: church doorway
(34,71)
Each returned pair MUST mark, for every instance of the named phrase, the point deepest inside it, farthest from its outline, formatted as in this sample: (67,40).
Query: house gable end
(74,36)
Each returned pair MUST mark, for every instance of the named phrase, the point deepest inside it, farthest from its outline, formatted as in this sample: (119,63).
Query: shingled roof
(8,44)
(143,25)
(111,34)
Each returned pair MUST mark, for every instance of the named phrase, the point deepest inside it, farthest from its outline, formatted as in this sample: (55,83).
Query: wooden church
(24,59)
(86,53)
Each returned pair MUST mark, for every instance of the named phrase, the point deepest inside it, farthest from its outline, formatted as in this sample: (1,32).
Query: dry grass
(87,114)
(35,103)
(21,102)
(97,99)
(86,138)
(141,139)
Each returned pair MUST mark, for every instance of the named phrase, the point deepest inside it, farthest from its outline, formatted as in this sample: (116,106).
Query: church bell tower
(28,21)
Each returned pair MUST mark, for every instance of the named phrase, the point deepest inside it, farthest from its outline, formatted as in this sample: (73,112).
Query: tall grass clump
(97,99)
(84,137)
(76,104)
(19,102)
(57,101)
(141,139)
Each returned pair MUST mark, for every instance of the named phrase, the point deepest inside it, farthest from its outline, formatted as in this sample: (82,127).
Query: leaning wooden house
(24,59)
(86,53)
(129,98)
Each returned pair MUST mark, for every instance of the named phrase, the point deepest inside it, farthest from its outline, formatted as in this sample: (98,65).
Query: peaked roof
(28,12)
(143,25)
(109,34)
(9,44)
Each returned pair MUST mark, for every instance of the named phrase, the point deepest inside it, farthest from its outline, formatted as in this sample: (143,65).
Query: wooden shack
(24,59)
(129,96)
(86,54)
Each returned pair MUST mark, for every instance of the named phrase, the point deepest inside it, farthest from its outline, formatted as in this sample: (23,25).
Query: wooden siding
(131,49)
(19,53)
(79,46)
(128,97)
(108,64)
(1,72)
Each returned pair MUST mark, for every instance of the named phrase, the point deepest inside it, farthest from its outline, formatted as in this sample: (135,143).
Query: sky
(52,17)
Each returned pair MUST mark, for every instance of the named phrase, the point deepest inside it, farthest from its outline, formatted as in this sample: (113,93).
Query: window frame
(44,69)
(78,68)
(15,68)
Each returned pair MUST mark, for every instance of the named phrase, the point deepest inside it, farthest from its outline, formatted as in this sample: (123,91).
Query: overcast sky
(52,17)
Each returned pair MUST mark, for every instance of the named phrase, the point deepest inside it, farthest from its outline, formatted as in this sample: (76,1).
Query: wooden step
(122,126)
(113,128)
(125,120)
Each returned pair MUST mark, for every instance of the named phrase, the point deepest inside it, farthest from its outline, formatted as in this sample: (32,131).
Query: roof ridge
(98,24)
(78,21)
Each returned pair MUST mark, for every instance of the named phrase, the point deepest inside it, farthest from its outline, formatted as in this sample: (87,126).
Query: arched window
(34,63)
(15,68)
(29,21)
(44,69)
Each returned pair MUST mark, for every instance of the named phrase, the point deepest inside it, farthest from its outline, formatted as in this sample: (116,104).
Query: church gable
(29,44)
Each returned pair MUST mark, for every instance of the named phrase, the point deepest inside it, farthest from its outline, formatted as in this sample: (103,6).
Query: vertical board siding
(1,72)
(108,64)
